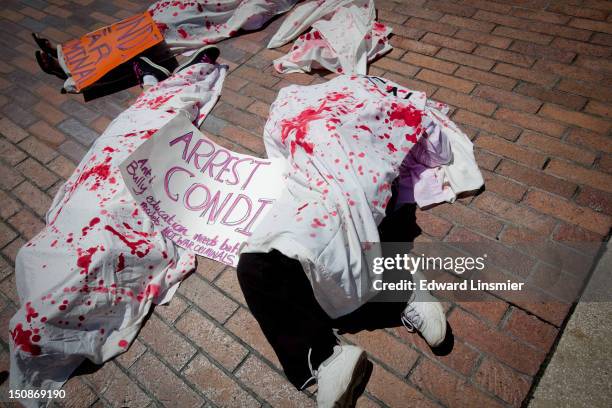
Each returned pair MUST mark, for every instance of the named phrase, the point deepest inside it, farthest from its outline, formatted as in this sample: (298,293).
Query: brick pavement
(530,82)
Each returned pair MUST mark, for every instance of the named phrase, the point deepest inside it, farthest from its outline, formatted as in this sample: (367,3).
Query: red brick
(117,387)
(591,25)
(256,76)
(228,283)
(602,39)
(431,224)
(561,98)
(42,177)
(11,131)
(503,382)
(392,17)
(515,58)
(595,199)
(580,175)
(590,90)
(10,178)
(529,75)
(457,84)
(466,59)
(216,385)
(260,109)
(243,138)
(469,217)
(62,166)
(506,98)
(431,26)
(209,269)
(167,387)
(503,186)
(47,134)
(38,150)
(568,233)
(10,251)
(429,62)
(577,11)
(567,211)
(484,38)
(26,223)
(209,299)
(33,198)
(10,153)
(591,140)
(244,325)
(449,389)
(508,149)
(490,125)
(515,214)
(6,233)
(387,349)
(462,100)
(270,385)
(212,339)
(536,178)
(575,118)
(542,51)
(486,160)
(491,341)
(486,78)
(412,45)
(540,15)
(599,108)
(414,9)
(166,342)
(449,7)
(531,329)
(487,307)
(448,42)
(8,207)
(468,23)
(393,391)
(530,121)
(523,35)
(579,47)
(555,147)
(396,66)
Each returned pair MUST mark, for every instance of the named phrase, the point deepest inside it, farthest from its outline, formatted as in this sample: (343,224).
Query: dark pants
(280,297)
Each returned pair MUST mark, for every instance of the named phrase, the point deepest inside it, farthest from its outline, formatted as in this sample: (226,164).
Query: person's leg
(280,297)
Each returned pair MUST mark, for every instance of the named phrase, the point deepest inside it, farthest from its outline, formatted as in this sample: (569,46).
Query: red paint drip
(30,312)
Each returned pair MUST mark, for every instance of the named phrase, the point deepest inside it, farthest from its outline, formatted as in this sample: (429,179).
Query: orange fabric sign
(90,57)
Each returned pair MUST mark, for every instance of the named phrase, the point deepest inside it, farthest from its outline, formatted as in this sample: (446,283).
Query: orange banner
(92,56)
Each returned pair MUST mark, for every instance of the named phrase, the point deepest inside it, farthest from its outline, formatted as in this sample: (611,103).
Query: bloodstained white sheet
(89,278)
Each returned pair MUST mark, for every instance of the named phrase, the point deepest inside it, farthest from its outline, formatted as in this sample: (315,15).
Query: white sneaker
(341,377)
(426,315)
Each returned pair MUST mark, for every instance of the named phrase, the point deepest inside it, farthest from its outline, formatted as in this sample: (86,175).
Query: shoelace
(313,372)
(411,319)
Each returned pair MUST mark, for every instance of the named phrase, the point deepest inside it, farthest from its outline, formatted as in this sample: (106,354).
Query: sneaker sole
(361,375)
(156,66)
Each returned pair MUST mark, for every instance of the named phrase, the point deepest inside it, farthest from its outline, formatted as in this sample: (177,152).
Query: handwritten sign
(92,56)
(203,196)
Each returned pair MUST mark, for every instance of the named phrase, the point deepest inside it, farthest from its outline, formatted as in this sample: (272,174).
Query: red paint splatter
(364,127)
(182,33)
(391,147)
(132,245)
(299,124)
(84,259)
(22,339)
(121,263)
(100,172)
(122,343)
(30,312)
(408,114)
(93,222)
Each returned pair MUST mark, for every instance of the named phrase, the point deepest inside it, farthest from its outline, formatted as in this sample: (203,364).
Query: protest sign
(92,56)
(202,196)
